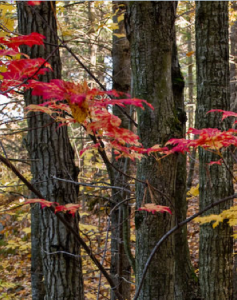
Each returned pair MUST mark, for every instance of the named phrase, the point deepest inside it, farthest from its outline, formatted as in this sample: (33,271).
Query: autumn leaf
(207,219)
(190,53)
(153,208)
(33,2)
(30,40)
(43,203)
(70,208)
(194,191)
(218,162)
(225,114)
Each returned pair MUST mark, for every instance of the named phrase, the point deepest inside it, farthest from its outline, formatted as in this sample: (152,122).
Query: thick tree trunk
(185,278)
(52,155)
(233,69)
(150,28)
(120,221)
(233,103)
(212,50)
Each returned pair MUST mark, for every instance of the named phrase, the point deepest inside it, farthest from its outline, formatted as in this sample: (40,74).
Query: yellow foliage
(194,191)
(229,214)
(120,18)
(210,218)
(119,35)
(79,113)
(7,22)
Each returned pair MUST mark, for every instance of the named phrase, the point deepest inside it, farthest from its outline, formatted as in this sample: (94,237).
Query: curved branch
(171,231)
(78,239)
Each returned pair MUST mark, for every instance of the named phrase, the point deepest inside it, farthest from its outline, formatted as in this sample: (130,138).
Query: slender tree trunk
(120,221)
(212,52)
(185,278)
(92,47)
(49,148)
(150,29)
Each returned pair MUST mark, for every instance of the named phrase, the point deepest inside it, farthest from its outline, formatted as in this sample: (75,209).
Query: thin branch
(91,185)
(78,239)
(170,232)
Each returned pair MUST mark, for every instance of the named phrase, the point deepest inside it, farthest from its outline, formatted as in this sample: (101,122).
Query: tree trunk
(212,52)
(150,29)
(233,52)
(120,219)
(233,103)
(185,278)
(49,148)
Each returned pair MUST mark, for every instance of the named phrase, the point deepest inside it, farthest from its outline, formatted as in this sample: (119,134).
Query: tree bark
(185,278)
(150,29)
(233,103)
(233,52)
(53,246)
(212,53)
(120,219)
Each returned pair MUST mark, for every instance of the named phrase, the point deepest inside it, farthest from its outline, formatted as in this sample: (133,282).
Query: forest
(117,150)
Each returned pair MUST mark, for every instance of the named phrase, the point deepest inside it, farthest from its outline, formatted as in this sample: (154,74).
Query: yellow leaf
(133,238)
(194,191)
(67,32)
(6,8)
(79,113)
(120,35)
(27,230)
(113,26)
(120,18)
(88,227)
(3,69)
(210,218)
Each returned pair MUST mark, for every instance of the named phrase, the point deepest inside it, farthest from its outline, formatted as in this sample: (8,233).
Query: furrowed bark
(212,53)
(150,29)
(121,257)
(185,278)
(52,155)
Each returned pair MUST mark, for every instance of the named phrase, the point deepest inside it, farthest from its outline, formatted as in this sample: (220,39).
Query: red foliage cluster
(71,208)
(208,138)
(90,108)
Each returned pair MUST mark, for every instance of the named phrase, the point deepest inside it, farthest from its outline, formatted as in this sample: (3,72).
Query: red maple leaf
(225,114)
(71,208)
(43,203)
(218,162)
(33,2)
(153,208)
(30,40)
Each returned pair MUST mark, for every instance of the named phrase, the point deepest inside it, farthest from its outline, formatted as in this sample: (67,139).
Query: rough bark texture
(120,222)
(233,52)
(212,50)
(150,29)
(185,278)
(233,102)
(52,155)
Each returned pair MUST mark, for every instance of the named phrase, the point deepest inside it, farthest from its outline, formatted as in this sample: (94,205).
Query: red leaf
(72,208)
(225,113)
(33,2)
(30,40)
(218,162)
(42,202)
(151,207)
